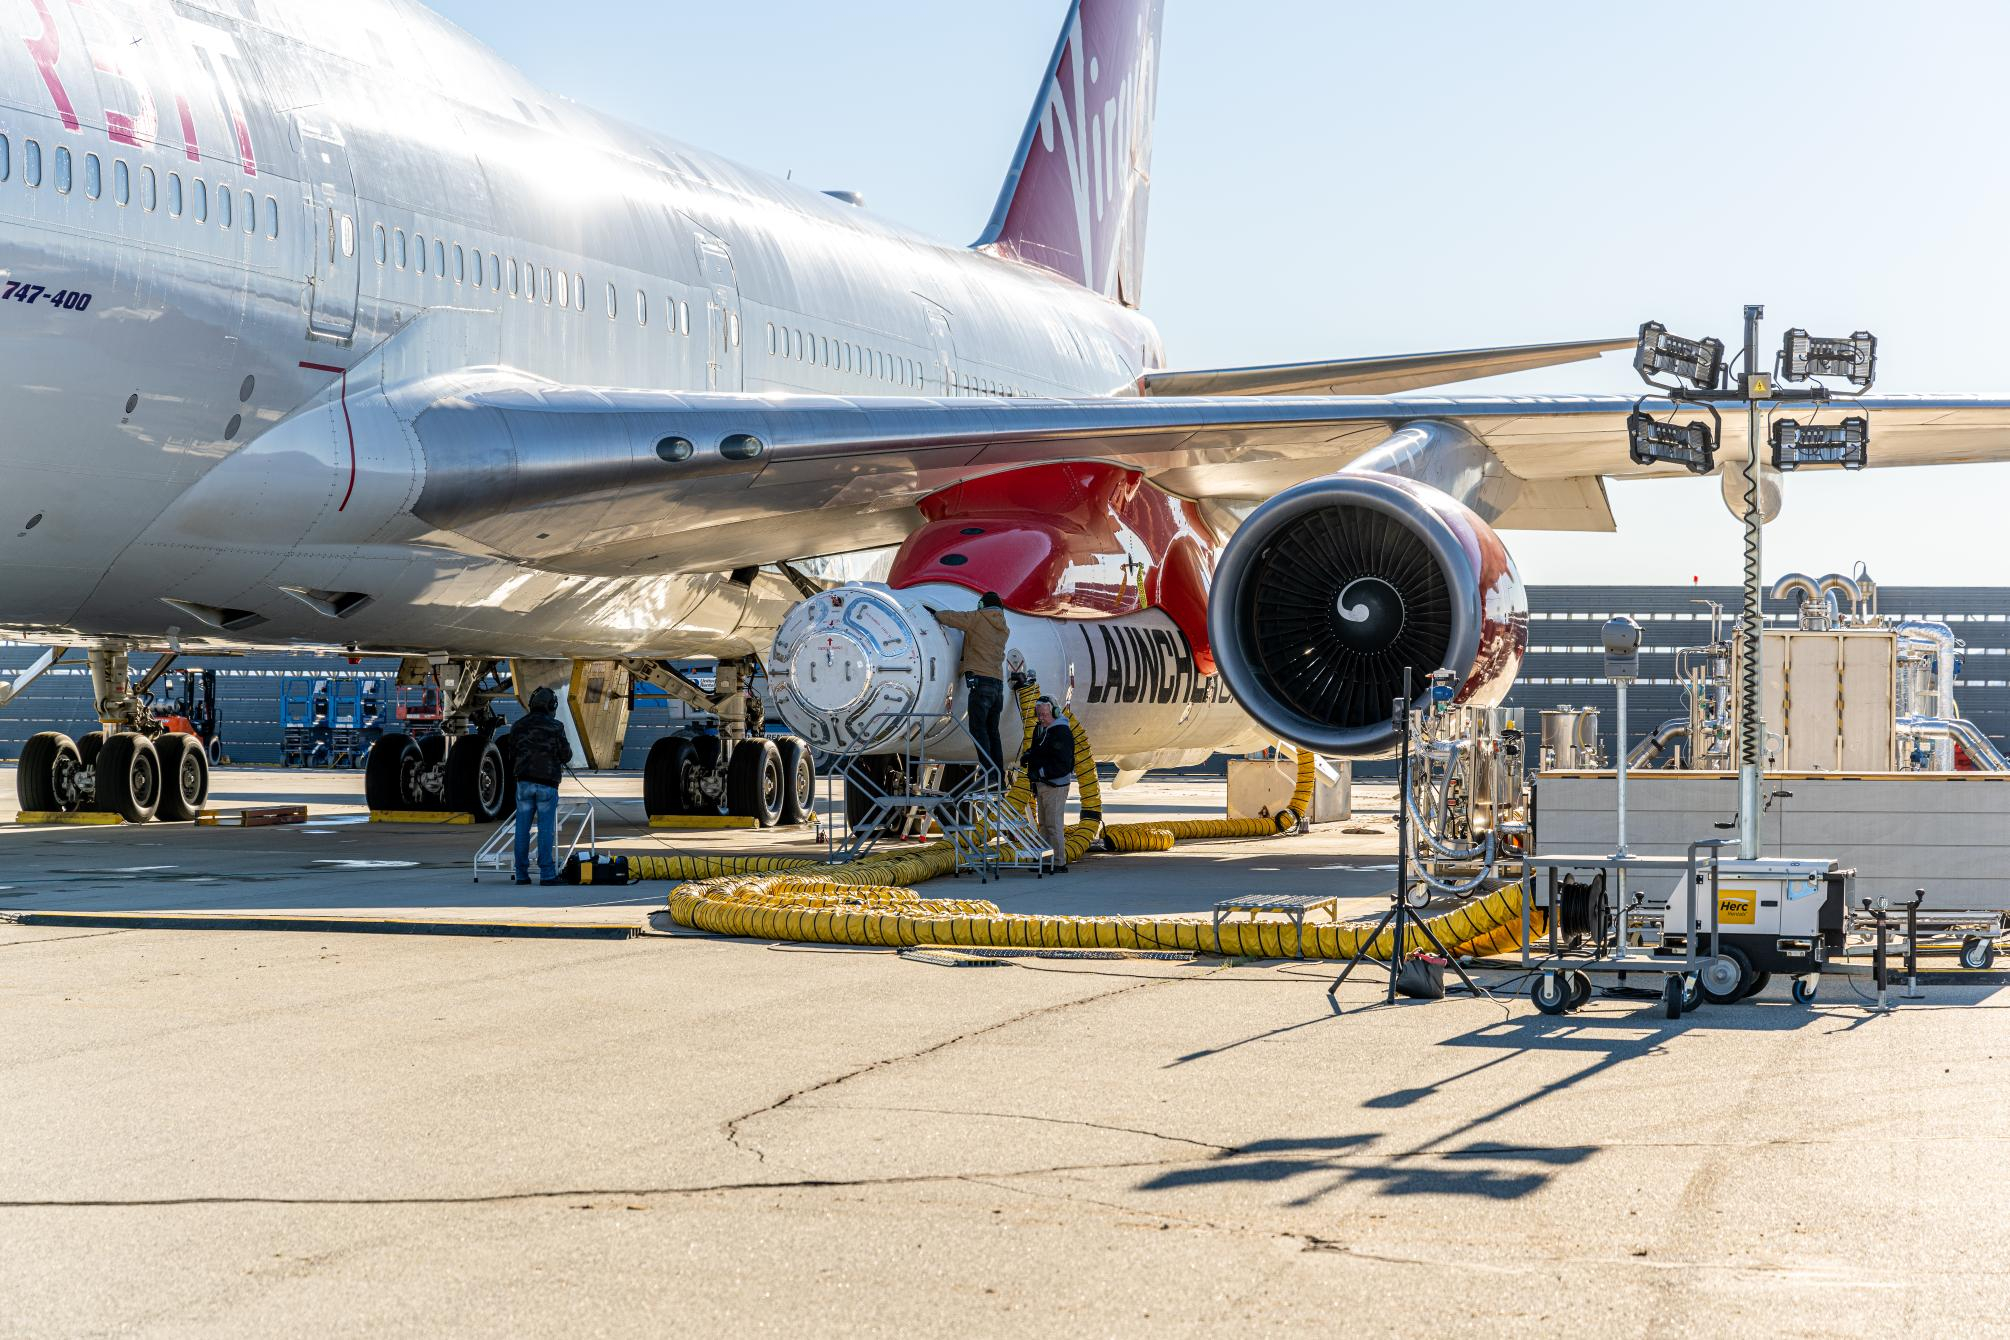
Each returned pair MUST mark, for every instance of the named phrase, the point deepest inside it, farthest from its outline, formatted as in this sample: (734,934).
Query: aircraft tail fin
(1079,191)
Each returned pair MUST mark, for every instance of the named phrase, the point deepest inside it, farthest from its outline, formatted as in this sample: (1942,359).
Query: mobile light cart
(1712,929)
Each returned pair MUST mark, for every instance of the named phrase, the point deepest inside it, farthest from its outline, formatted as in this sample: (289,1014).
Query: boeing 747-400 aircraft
(325,327)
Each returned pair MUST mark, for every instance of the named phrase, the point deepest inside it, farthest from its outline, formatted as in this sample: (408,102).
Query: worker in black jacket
(1050,765)
(541,751)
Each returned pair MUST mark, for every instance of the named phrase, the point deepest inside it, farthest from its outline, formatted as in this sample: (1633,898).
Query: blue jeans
(536,802)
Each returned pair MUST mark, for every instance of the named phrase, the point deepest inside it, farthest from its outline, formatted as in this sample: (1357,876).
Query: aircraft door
(331,205)
(939,335)
(723,355)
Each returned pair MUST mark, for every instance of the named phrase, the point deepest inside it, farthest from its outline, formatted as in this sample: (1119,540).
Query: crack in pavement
(732,1127)
(584,1193)
(1224,1151)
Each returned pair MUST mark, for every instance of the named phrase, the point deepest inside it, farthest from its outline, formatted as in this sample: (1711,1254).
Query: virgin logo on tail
(1077,200)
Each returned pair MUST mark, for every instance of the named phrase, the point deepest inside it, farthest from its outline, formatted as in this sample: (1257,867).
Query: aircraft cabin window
(419,245)
(174,194)
(348,230)
(200,189)
(62,170)
(439,258)
(94,177)
(579,292)
(641,308)
(271,217)
(400,235)
(250,212)
(31,162)
(122,182)
(149,190)
(513,290)
(481,275)
(547,286)
(6,159)
(683,316)
(564,293)
(460,264)
(495,272)
(771,337)
(223,206)
(383,245)
(613,302)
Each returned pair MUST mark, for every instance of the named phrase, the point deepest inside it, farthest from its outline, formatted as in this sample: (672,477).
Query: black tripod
(1401,913)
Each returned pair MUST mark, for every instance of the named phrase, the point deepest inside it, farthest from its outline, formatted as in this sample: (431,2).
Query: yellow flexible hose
(866,902)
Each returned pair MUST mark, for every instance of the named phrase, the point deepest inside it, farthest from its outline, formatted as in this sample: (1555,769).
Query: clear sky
(1337,180)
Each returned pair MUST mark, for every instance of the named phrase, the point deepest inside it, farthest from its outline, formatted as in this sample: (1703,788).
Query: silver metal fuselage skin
(182,437)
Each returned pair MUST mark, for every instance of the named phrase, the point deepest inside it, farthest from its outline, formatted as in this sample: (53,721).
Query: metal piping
(1796,581)
(1958,730)
(1835,582)
(1648,751)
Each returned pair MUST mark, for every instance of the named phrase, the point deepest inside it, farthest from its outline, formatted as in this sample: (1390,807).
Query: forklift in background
(188,706)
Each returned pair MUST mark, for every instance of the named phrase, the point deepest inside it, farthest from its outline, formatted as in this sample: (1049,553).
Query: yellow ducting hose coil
(868,902)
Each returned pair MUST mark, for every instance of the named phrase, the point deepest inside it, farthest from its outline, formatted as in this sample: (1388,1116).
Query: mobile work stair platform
(909,794)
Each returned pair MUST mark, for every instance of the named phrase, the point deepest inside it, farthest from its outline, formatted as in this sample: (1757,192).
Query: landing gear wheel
(1806,987)
(390,776)
(184,777)
(1978,954)
(475,776)
(47,779)
(1580,991)
(1550,993)
(663,788)
(1726,978)
(799,780)
(129,777)
(88,745)
(508,748)
(433,748)
(754,782)
(1760,981)
(1671,996)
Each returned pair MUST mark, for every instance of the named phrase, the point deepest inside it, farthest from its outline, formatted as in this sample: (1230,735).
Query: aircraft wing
(1382,375)
(577,480)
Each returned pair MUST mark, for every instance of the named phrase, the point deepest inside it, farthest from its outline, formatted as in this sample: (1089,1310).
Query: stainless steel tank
(1569,739)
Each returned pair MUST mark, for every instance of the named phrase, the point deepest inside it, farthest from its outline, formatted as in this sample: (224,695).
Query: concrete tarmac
(249,1133)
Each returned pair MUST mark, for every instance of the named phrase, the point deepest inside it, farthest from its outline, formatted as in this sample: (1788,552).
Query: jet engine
(1329,591)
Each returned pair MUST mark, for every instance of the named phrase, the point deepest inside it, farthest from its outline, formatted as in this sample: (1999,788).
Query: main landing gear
(737,769)
(139,767)
(465,768)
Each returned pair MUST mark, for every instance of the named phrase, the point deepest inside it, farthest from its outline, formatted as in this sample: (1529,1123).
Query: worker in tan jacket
(983,669)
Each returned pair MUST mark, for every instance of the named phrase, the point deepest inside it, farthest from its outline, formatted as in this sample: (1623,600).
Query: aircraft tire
(754,783)
(184,777)
(799,779)
(663,773)
(129,777)
(46,778)
(476,775)
(88,745)
(387,773)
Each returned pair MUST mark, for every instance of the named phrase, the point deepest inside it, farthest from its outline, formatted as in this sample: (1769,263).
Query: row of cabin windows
(843,355)
(192,199)
(960,384)
(472,266)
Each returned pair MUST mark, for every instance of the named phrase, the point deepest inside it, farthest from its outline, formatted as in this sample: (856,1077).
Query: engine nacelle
(1331,589)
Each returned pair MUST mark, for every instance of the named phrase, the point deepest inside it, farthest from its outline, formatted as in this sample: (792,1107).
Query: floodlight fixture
(1846,444)
(1690,445)
(1697,362)
(1853,359)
